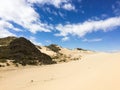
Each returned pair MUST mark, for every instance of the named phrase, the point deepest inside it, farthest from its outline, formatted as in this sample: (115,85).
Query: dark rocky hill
(24,52)
(6,41)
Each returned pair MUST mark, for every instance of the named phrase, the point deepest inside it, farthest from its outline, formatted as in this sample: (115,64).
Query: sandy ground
(98,71)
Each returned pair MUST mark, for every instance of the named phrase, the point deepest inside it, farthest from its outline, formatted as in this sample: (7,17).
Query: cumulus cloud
(22,13)
(56,3)
(82,29)
(65,4)
(92,40)
(69,7)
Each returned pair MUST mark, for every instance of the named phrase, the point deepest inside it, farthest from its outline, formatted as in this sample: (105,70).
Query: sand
(98,71)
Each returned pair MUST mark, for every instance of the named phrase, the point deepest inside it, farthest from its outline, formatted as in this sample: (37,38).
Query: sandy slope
(65,54)
(98,71)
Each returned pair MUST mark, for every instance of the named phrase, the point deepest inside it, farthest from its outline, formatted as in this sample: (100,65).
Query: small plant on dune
(54,48)
(81,49)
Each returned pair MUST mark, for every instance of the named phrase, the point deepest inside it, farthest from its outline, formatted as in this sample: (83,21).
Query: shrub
(79,48)
(54,48)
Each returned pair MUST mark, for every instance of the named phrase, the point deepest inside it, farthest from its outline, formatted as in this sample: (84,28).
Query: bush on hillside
(80,49)
(54,48)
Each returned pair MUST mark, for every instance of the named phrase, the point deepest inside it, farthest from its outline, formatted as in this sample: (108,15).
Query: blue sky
(89,24)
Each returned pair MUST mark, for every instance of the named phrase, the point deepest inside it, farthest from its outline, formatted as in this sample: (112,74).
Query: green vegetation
(81,49)
(54,48)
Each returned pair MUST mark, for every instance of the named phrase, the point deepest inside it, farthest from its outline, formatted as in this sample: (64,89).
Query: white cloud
(5,33)
(68,7)
(56,3)
(65,4)
(92,40)
(22,13)
(4,24)
(82,29)
(65,39)
(33,40)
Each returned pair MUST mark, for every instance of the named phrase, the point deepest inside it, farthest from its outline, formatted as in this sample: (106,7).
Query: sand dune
(99,71)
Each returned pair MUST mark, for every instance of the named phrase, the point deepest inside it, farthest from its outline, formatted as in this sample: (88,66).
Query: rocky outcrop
(24,52)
